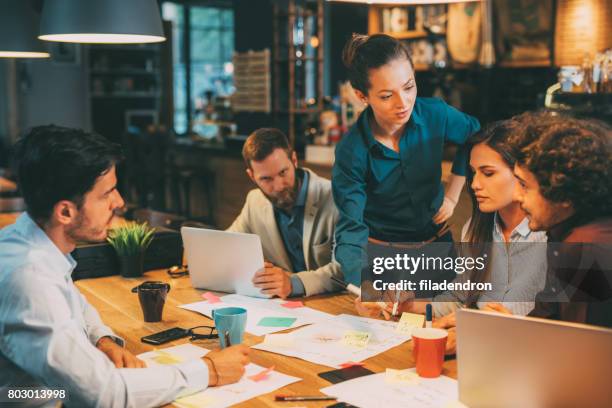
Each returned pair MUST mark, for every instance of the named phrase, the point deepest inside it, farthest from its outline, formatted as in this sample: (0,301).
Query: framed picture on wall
(65,53)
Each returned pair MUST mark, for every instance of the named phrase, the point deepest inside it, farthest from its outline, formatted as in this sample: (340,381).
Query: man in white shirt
(49,335)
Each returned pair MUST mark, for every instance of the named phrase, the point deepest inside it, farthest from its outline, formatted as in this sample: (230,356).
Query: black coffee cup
(152,296)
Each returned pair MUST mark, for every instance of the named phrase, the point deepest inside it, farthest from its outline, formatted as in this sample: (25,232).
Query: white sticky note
(407,377)
(279,340)
(357,339)
(409,321)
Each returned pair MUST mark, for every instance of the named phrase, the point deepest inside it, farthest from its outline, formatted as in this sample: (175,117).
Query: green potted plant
(130,242)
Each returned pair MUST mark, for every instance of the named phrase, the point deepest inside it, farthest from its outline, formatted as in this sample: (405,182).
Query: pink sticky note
(350,364)
(211,297)
(294,304)
(263,375)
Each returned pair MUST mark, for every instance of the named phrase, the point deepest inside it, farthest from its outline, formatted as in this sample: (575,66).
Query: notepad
(357,339)
(409,321)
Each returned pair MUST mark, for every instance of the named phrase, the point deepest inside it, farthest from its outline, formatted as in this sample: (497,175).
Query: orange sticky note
(211,297)
(350,364)
(294,304)
(263,375)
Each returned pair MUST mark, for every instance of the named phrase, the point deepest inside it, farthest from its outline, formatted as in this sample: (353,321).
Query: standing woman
(387,175)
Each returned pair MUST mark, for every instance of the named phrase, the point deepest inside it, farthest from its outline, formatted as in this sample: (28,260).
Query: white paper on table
(225,395)
(372,391)
(322,343)
(257,309)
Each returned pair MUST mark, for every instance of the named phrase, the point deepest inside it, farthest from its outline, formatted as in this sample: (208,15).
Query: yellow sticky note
(409,321)
(356,338)
(407,377)
(164,357)
(199,400)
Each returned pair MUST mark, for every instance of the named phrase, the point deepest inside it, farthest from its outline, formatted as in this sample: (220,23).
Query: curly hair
(570,158)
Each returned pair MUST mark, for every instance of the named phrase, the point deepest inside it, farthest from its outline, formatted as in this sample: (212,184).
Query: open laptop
(510,361)
(223,261)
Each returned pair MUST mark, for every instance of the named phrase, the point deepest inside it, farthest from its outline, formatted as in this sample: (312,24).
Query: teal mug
(230,323)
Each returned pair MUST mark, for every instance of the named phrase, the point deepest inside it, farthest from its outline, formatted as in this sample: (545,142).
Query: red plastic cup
(428,350)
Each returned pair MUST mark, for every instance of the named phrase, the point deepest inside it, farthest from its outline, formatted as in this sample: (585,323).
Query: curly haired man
(564,169)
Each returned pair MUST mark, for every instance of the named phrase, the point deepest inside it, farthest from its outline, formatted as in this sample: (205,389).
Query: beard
(83,231)
(285,199)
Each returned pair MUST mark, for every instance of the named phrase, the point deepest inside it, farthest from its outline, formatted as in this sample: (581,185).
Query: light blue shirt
(48,333)
(518,271)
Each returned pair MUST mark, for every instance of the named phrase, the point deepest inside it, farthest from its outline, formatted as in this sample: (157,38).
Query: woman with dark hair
(498,228)
(387,175)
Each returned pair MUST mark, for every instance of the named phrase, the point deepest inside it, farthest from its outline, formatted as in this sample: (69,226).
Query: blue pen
(428,315)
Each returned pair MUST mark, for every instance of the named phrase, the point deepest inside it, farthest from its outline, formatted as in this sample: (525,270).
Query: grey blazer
(320,217)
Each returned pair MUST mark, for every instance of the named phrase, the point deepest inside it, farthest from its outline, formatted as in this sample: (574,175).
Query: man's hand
(496,307)
(273,280)
(118,355)
(227,365)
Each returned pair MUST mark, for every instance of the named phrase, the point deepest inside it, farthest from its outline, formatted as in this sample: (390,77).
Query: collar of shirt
(31,232)
(371,142)
(520,232)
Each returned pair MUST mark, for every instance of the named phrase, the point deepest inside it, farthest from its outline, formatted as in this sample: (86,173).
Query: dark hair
(480,229)
(495,136)
(363,53)
(262,142)
(570,158)
(56,163)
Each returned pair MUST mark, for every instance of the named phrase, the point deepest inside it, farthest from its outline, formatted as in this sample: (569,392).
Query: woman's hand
(446,210)
(445,322)
(496,307)
(374,309)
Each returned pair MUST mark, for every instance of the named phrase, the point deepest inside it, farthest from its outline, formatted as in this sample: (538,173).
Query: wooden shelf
(525,64)
(407,35)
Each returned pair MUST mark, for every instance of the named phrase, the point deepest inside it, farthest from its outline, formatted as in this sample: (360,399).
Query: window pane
(174,13)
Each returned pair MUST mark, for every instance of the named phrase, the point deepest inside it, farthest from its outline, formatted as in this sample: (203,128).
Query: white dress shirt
(518,271)
(48,333)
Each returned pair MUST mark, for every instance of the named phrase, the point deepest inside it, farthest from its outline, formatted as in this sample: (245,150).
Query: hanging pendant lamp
(101,21)
(18,31)
(404,2)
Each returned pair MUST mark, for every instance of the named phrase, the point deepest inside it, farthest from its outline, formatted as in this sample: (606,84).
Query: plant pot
(131,266)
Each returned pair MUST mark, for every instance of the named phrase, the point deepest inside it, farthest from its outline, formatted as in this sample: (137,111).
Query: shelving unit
(293,39)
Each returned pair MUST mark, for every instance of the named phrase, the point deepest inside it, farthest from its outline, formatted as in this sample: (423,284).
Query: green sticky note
(276,321)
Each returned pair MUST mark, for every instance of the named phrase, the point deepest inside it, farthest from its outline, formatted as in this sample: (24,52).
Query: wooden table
(119,309)
(8,218)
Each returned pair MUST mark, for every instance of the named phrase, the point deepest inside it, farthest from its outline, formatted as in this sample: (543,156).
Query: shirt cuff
(95,334)
(196,376)
(297,287)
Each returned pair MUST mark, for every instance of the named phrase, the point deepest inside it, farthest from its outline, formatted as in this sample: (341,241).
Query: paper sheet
(323,342)
(258,309)
(374,391)
(225,395)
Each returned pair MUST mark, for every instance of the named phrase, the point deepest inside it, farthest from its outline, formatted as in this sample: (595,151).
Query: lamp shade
(404,2)
(18,31)
(101,21)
